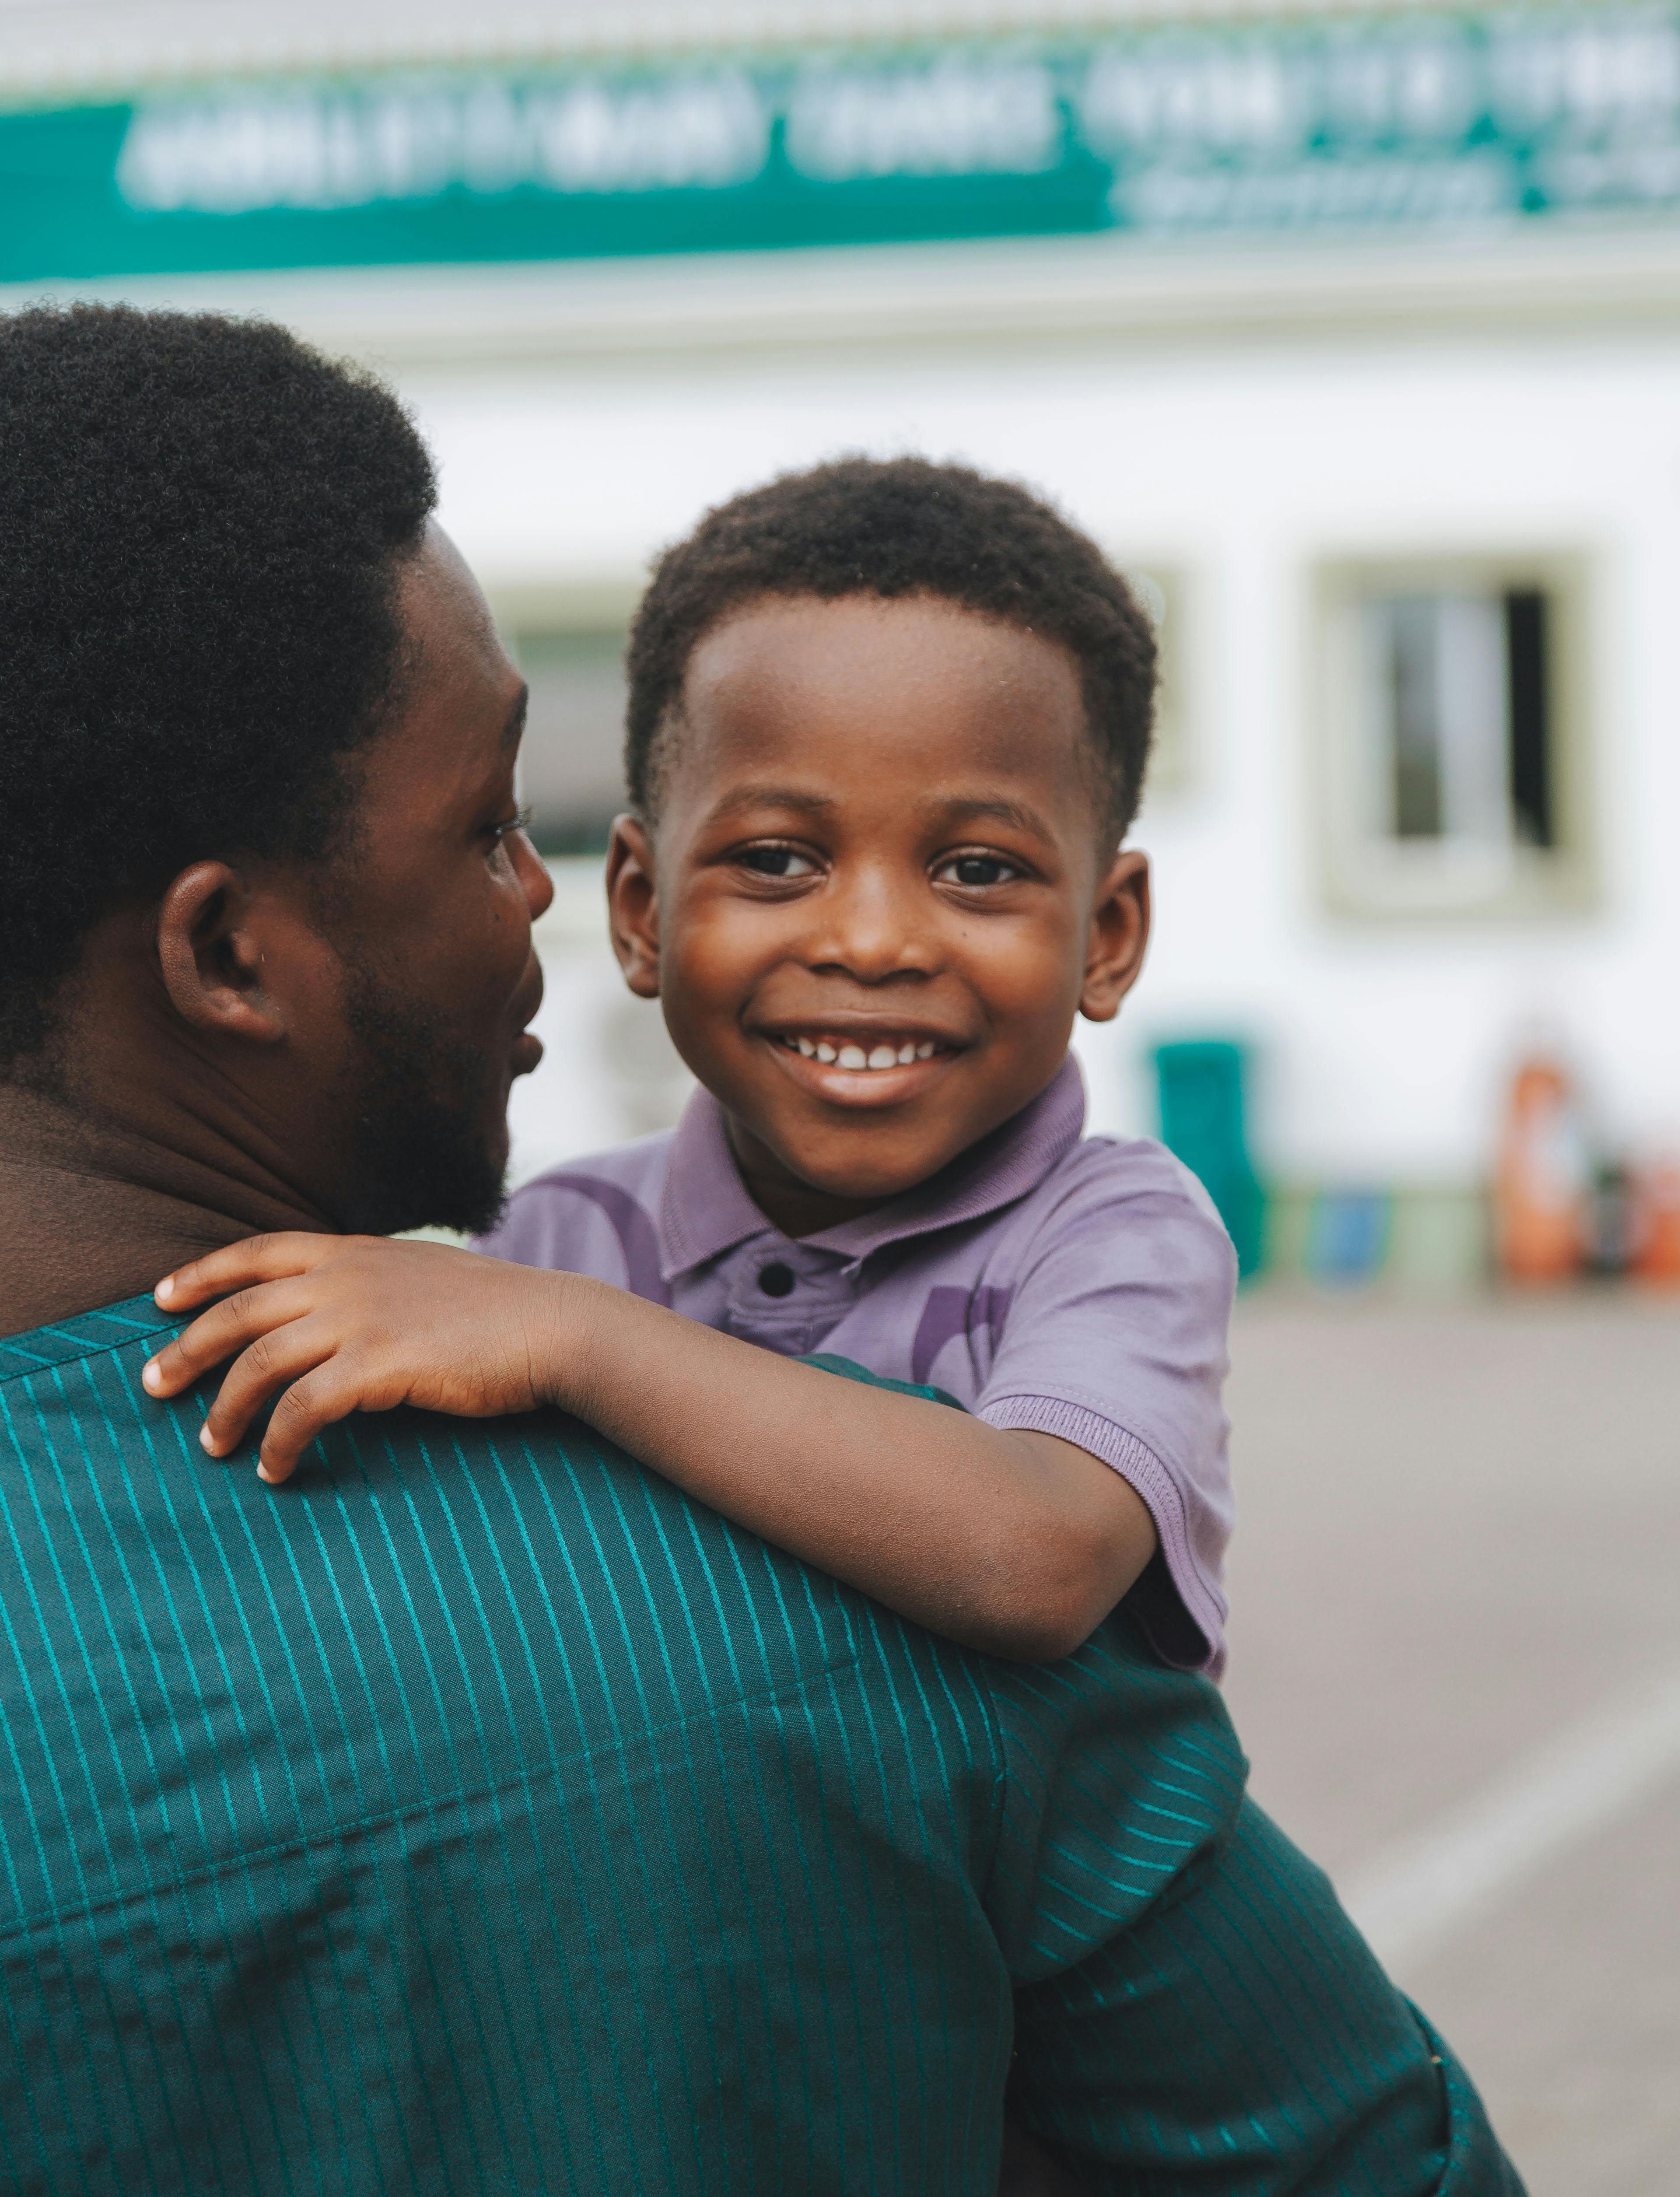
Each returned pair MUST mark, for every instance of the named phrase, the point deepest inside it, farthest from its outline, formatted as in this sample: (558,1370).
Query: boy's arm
(1013,1542)
(1115,1341)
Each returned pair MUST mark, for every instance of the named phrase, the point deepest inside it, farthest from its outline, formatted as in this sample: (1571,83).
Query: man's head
(887,726)
(259,869)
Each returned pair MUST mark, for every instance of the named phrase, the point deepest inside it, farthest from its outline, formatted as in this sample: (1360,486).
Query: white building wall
(1381,1048)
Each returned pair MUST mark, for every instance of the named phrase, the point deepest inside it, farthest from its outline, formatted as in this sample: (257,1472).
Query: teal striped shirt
(477,1814)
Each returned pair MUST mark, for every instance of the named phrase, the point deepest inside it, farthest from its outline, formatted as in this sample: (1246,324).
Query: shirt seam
(999,1739)
(383,1819)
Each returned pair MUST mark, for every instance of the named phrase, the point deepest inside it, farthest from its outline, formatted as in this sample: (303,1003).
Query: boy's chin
(855,1166)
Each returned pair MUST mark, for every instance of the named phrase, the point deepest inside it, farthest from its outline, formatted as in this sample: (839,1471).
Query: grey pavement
(1458,1537)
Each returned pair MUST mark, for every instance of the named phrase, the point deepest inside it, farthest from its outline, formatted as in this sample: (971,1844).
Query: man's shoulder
(531,1607)
(652,1609)
(674,1608)
(633,1608)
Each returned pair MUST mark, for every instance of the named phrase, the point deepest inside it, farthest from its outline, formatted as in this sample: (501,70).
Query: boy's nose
(871,929)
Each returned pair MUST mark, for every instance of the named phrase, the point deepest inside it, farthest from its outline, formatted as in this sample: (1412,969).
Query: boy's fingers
(331,1392)
(238,1266)
(259,1373)
(217,1334)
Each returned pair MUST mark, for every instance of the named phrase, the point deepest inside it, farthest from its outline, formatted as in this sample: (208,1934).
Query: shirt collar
(705,1208)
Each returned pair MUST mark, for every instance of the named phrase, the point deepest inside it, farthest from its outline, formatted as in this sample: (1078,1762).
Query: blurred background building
(1353,331)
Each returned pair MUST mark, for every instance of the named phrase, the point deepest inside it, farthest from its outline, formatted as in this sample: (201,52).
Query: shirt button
(776,1280)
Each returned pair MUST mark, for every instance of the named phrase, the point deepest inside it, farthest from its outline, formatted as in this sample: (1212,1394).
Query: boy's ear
(1120,932)
(633,906)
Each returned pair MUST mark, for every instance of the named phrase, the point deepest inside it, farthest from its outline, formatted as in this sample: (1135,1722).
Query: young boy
(886,729)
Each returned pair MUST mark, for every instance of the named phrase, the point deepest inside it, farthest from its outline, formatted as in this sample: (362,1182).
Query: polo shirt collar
(706,1210)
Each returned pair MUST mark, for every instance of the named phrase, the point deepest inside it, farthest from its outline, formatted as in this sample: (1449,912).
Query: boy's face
(878,893)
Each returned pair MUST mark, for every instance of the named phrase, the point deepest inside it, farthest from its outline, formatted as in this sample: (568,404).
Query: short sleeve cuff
(1138,1464)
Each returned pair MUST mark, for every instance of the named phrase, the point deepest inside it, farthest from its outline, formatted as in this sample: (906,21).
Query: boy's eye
(777,862)
(976,870)
(520,821)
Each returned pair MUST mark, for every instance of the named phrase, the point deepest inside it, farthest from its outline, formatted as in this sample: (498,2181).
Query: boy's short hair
(895,527)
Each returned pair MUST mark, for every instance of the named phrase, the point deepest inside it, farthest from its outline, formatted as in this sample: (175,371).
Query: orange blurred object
(1656,1257)
(1541,1190)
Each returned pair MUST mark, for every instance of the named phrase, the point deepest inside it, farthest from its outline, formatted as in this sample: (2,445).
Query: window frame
(1368,878)
(563,609)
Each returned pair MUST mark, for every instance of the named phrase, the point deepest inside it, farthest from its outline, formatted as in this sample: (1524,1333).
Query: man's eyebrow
(746,797)
(516,718)
(988,812)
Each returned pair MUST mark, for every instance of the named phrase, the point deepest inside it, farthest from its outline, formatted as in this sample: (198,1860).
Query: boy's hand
(346,1323)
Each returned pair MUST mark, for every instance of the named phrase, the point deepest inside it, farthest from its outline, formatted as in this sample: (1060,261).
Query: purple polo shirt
(1075,1284)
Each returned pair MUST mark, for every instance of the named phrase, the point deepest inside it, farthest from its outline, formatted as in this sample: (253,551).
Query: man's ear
(1120,932)
(212,959)
(633,906)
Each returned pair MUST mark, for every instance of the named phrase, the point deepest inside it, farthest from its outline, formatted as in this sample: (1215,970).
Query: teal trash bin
(1200,1087)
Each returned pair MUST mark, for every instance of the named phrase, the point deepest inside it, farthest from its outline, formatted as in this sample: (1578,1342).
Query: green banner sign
(1413,122)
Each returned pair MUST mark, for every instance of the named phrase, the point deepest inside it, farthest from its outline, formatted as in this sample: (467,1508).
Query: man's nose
(533,875)
(872,923)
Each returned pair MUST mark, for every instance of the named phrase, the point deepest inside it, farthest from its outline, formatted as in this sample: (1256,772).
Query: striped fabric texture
(478,1814)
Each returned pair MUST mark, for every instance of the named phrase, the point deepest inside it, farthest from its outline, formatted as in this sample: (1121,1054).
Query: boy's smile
(879,890)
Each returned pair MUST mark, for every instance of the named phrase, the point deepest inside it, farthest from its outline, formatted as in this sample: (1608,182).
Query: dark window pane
(1414,702)
(1531,732)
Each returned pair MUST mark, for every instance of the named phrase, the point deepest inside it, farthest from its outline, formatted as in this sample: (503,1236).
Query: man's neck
(92,1211)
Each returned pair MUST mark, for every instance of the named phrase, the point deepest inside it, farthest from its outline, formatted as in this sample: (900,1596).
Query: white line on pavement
(1415,1895)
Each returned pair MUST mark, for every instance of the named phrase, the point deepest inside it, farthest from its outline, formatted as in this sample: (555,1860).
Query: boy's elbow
(1050,1609)
(1041,1634)
(1051,1566)
(1043,1638)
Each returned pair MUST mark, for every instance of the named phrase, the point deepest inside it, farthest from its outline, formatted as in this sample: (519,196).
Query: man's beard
(418,1156)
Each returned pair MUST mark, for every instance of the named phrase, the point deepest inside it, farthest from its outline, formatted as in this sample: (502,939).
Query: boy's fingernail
(164,1290)
(263,1473)
(149,1375)
(207,1439)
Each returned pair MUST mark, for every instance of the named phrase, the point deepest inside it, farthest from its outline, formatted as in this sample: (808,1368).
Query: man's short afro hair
(202,527)
(895,527)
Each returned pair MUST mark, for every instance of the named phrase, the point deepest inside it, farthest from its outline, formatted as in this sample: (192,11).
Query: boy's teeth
(855,1057)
